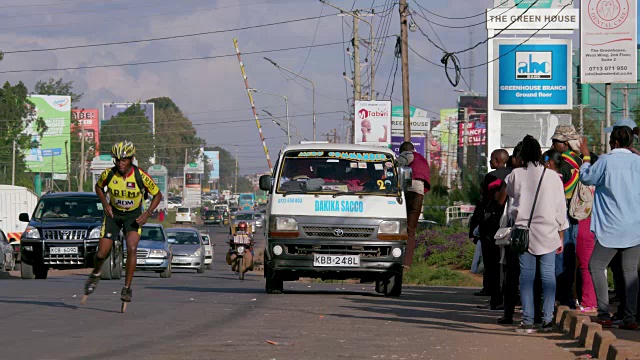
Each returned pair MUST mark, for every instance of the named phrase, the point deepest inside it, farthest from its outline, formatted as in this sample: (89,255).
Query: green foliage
(423,274)
(16,114)
(57,87)
(164,103)
(133,125)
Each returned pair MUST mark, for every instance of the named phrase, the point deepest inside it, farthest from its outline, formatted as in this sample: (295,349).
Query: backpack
(138,177)
(581,203)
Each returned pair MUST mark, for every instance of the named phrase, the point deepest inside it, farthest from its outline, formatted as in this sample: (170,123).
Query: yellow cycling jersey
(124,194)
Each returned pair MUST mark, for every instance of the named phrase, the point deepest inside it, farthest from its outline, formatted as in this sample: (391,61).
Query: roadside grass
(423,274)
(169,220)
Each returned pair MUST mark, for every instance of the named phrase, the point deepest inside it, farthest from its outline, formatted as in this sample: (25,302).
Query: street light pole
(313,89)
(286,104)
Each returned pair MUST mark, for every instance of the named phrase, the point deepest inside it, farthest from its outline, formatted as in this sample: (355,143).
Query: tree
(58,87)
(635,112)
(133,125)
(164,103)
(16,116)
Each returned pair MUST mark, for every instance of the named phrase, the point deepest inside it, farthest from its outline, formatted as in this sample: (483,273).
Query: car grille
(64,234)
(63,259)
(338,232)
(363,251)
(142,253)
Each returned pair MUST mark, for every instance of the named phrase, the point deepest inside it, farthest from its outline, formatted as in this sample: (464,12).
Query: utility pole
(185,157)
(581,107)
(465,138)
(404,36)
(607,112)
(236,185)
(449,156)
(625,93)
(66,155)
(335,135)
(357,87)
(83,161)
(13,161)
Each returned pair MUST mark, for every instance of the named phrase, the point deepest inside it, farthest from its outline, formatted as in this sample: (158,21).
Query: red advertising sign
(476,133)
(91,121)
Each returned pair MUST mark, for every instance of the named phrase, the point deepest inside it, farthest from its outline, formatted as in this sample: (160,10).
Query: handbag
(503,235)
(520,234)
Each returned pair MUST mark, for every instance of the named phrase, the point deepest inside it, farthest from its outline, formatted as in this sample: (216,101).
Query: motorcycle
(240,254)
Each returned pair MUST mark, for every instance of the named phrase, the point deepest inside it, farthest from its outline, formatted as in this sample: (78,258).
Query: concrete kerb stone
(601,343)
(576,325)
(565,324)
(560,310)
(587,334)
(621,352)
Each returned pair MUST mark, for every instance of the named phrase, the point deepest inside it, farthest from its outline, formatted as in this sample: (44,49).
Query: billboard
(417,141)
(91,121)
(373,123)
(159,175)
(191,190)
(50,155)
(213,161)
(533,19)
(535,75)
(608,39)
(537,124)
(419,120)
(110,110)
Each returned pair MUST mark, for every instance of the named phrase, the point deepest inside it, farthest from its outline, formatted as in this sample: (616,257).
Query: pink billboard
(91,121)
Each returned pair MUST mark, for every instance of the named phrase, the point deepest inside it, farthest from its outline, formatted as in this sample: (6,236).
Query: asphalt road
(215,316)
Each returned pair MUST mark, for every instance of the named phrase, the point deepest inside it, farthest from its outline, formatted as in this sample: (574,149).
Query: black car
(63,233)
(212,217)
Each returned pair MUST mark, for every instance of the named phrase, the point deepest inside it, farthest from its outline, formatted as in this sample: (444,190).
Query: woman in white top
(548,223)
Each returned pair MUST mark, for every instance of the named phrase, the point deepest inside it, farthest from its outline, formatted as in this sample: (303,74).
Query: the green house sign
(193,165)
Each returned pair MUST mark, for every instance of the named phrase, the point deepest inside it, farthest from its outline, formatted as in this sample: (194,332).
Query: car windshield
(185,237)
(183,210)
(244,216)
(258,216)
(69,207)
(151,233)
(205,239)
(246,197)
(337,172)
(211,213)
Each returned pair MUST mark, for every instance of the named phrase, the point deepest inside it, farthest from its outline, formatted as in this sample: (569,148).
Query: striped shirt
(570,170)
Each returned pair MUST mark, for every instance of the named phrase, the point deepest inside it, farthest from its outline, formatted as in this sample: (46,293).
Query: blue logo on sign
(347,206)
(533,75)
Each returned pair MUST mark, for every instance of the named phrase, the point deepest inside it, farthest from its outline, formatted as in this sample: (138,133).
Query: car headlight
(158,253)
(286,224)
(198,252)
(94,234)
(31,233)
(389,227)
(207,252)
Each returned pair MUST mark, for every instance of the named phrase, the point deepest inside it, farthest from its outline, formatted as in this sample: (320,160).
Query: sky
(212,92)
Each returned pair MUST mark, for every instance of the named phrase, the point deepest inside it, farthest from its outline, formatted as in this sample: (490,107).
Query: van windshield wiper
(289,192)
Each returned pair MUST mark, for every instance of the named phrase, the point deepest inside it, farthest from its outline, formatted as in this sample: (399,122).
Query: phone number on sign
(290,201)
(607,68)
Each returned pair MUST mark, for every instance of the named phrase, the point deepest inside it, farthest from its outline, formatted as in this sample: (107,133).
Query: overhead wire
(315,34)
(463,17)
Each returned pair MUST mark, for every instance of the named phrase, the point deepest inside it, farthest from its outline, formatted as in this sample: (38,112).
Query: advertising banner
(91,121)
(373,123)
(213,161)
(608,41)
(476,133)
(417,141)
(192,185)
(110,110)
(419,120)
(534,75)
(159,175)
(49,156)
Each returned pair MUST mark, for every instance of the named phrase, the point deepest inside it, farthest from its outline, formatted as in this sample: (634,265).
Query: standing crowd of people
(574,212)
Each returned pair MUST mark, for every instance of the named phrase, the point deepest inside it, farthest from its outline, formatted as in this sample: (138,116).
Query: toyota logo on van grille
(338,232)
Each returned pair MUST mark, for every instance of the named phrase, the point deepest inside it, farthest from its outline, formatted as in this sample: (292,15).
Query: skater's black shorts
(121,220)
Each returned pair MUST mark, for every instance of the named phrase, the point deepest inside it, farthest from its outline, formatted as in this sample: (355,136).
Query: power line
(315,34)
(463,17)
(166,37)
(167,61)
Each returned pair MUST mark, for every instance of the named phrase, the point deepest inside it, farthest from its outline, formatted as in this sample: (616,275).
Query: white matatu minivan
(336,211)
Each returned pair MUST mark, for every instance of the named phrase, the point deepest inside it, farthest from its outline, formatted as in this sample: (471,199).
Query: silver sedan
(187,248)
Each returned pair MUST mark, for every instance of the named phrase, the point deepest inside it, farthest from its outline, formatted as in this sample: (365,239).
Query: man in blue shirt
(615,219)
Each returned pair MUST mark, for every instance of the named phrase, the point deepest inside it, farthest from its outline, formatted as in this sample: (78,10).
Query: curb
(600,343)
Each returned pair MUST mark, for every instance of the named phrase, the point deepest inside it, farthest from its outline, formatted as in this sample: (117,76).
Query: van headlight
(286,224)
(389,227)
(94,234)
(32,233)
(158,253)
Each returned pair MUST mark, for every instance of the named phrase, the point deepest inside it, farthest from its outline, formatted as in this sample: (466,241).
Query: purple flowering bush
(444,246)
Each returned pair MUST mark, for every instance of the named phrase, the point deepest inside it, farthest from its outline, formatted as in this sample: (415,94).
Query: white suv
(184,215)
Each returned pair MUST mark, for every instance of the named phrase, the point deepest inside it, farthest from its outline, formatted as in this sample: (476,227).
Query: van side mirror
(265,182)
(406,175)
(24,217)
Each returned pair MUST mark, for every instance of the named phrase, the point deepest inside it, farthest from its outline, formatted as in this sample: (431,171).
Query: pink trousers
(584,248)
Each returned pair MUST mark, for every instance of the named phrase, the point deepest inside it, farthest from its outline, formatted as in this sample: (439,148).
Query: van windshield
(338,172)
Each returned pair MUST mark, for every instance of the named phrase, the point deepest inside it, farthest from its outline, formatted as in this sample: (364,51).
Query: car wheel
(392,286)
(26,271)
(117,266)
(201,268)
(107,268)
(274,283)
(209,266)
(41,271)
(166,273)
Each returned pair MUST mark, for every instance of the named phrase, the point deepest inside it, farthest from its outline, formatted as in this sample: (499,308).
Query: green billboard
(50,155)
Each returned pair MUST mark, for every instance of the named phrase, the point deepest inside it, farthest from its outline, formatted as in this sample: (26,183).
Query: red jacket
(420,170)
